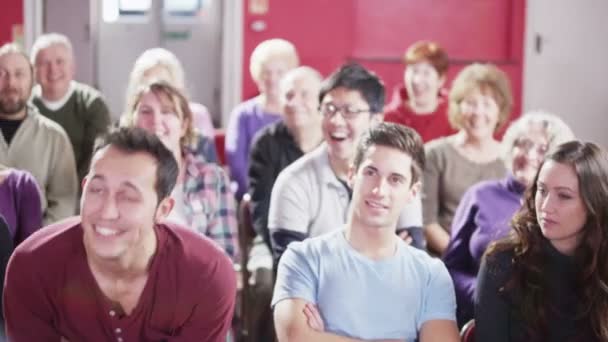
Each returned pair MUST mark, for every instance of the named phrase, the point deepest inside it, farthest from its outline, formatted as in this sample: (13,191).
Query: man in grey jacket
(31,142)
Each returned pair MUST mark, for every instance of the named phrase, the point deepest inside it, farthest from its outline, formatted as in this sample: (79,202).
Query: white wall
(569,76)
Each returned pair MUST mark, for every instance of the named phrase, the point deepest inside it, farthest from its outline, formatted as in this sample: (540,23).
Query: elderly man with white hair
(77,107)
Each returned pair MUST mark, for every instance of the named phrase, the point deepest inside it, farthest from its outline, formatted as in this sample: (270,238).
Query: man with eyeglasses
(311,196)
(362,282)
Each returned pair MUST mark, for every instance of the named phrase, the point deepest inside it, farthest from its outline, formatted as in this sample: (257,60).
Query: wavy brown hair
(528,277)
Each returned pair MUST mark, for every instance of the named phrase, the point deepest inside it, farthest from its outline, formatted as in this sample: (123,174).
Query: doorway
(189,29)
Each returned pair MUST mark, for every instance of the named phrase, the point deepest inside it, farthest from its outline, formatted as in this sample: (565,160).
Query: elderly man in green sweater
(77,107)
(32,142)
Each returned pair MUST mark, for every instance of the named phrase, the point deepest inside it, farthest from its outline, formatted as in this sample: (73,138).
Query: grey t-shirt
(308,198)
(447,176)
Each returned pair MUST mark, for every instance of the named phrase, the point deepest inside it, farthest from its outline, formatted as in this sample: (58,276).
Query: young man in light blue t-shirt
(363,283)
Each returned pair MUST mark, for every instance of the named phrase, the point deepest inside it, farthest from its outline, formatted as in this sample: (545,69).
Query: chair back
(467,333)
(246,236)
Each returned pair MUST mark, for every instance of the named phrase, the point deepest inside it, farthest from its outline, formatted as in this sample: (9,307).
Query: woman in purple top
(20,203)
(269,61)
(486,209)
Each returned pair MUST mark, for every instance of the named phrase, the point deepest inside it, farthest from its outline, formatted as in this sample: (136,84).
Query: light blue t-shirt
(363,298)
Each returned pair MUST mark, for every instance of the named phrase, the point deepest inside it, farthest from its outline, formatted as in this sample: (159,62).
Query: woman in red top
(420,103)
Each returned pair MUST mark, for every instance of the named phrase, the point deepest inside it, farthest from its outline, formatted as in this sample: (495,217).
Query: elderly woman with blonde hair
(162,64)
(269,61)
(479,105)
(203,200)
(486,209)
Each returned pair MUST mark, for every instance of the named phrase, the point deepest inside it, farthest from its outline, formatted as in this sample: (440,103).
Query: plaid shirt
(209,204)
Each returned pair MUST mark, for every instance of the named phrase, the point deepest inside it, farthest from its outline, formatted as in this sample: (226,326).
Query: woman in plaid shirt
(203,200)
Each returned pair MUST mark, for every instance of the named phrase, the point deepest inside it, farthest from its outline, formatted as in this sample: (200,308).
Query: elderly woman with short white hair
(270,60)
(486,209)
(162,64)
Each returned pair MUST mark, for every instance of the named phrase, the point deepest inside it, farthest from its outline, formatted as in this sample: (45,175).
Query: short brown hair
(427,51)
(396,136)
(485,78)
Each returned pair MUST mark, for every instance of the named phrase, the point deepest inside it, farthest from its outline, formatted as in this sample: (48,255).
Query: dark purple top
(20,204)
(483,216)
(245,121)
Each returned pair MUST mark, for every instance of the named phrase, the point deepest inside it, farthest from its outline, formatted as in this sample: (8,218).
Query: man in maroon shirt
(117,272)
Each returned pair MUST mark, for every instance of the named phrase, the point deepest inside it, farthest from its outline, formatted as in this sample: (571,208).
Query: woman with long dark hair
(548,281)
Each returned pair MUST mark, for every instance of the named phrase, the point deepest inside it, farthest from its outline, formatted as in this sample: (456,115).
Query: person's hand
(405,236)
(313,317)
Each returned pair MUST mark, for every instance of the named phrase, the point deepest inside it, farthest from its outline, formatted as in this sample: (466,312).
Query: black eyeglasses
(329,110)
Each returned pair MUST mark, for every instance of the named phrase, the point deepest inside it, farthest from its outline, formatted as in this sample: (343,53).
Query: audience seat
(246,234)
(467,333)
(220,142)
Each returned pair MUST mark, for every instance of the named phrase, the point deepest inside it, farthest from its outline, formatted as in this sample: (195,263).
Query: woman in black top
(548,281)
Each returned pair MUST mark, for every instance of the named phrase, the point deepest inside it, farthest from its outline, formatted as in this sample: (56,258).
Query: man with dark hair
(119,272)
(31,142)
(311,196)
(362,282)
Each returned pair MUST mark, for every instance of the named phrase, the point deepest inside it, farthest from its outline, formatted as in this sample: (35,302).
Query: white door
(566,63)
(190,29)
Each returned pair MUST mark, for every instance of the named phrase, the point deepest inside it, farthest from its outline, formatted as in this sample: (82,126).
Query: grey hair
(149,59)
(301,72)
(269,49)
(48,39)
(556,131)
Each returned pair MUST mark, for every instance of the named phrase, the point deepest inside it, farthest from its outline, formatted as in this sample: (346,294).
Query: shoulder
(52,243)
(268,136)
(245,109)
(303,169)
(437,152)
(437,146)
(484,188)
(86,93)
(19,176)
(198,108)
(196,265)
(46,126)
(22,180)
(314,249)
(203,171)
(497,266)
(421,260)
(191,251)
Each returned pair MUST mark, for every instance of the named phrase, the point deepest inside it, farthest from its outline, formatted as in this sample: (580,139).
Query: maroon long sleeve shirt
(50,292)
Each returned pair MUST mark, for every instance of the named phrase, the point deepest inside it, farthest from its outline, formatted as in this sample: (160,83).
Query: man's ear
(376,119)
(442,81)
(352,174)
(164,208)
(416,188)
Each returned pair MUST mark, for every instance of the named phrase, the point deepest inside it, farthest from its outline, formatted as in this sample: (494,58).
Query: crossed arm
(296,320)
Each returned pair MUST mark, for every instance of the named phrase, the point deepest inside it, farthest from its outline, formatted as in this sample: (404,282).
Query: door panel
(195,40)
(566,68)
